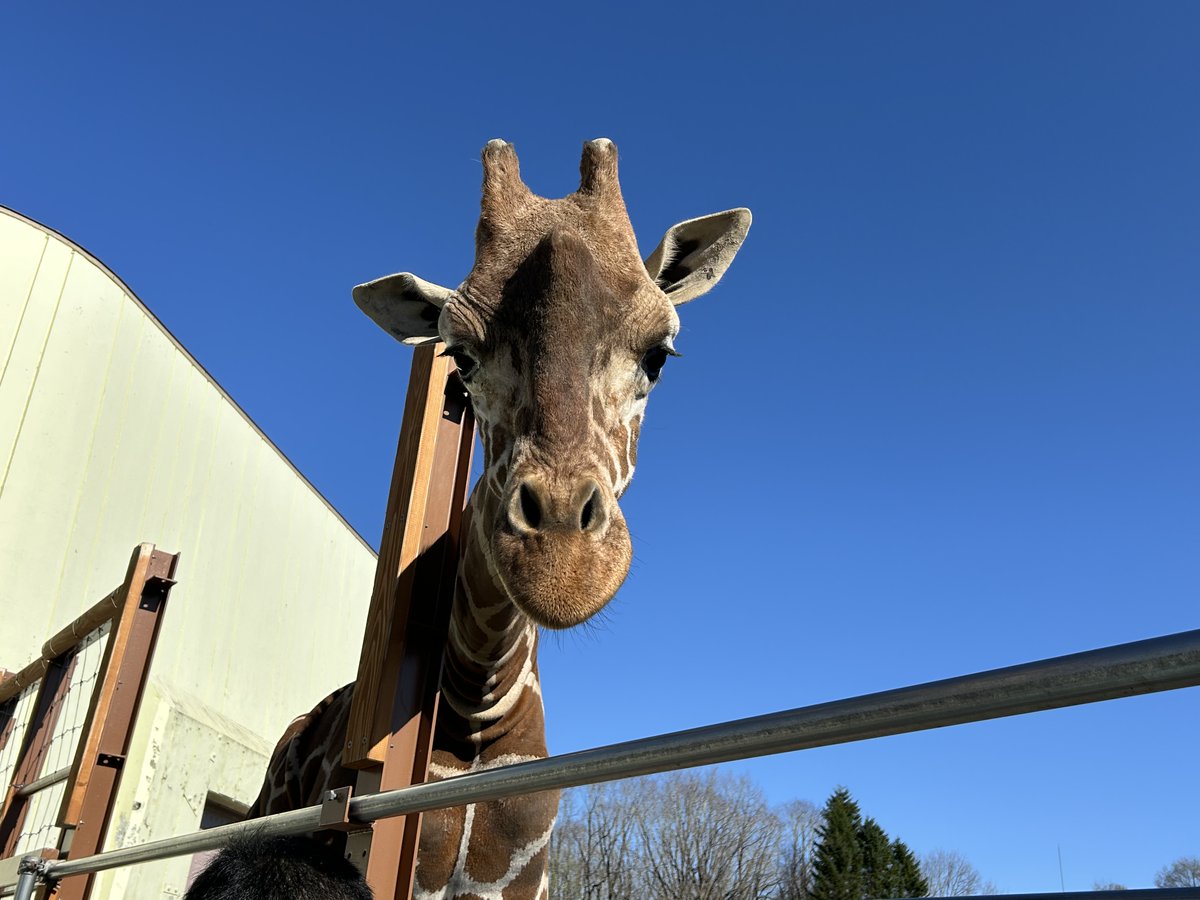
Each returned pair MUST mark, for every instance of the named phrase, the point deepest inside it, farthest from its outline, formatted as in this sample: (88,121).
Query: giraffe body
(559,332)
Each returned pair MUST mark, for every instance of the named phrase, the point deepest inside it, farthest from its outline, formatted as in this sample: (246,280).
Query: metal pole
(1126,670)
(27,878)
(1190,893)
(45,781)
(296,821)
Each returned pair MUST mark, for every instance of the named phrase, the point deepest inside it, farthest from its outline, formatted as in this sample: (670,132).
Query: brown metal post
(390,731)
(96,772)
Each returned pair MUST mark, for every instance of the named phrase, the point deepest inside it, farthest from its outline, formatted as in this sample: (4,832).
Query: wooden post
(96,772)
(390,730)
(135,610)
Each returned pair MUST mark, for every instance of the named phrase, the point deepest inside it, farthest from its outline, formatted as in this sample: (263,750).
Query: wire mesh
(69,712)
(22,711)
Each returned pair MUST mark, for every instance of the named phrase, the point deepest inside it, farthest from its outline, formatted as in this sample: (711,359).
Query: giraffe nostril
(588,514)
(530,508)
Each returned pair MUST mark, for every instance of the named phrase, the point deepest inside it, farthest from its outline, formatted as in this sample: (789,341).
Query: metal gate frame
(135,609)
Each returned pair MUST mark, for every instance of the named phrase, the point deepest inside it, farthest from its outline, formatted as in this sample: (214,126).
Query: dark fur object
(278,867)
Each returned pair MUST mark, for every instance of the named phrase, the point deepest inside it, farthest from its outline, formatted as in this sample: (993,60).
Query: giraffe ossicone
(560,331)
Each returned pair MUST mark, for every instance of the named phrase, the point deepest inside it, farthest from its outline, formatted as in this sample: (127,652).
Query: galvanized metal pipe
(1126,670)
(1192,893)
(296,821)
(44,782)
(26,884)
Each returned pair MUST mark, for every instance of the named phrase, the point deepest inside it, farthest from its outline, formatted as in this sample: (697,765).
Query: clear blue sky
(940,416)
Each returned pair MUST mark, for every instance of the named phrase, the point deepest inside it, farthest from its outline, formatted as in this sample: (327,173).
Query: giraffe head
(559,332)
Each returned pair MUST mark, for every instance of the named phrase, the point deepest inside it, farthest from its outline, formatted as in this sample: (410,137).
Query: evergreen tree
(838,864)
(907,878)
(877,862)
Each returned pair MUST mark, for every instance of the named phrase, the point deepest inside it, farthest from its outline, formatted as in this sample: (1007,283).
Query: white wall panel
(32,331)
(21,252)
(111,434)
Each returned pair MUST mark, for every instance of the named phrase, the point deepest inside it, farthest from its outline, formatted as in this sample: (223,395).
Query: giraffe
(560,332)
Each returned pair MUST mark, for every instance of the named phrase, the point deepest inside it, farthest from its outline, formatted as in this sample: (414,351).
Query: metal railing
(1182,893)
(1126,670)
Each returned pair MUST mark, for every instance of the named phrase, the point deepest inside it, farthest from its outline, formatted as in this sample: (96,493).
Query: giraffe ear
(693,255)
(403,305)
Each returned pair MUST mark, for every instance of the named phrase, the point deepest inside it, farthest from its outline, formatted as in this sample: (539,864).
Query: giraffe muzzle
(535,508)
(561,548)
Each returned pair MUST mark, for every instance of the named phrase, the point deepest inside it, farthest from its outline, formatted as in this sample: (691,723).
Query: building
(111,434)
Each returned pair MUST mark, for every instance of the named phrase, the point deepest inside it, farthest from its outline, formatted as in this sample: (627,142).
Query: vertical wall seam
(160,526)
(12,345)
(37,370)
(198,537)
(91,452)
(193,404)
(160,418)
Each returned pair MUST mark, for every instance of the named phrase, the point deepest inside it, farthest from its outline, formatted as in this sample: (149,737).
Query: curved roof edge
(195,362)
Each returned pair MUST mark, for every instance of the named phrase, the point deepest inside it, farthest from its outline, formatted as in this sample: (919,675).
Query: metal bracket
(457,400)
(154,592)
(335,811)
(110,760)
(335,816)
(31,872)
(358,848)
(35,863)
(32,865)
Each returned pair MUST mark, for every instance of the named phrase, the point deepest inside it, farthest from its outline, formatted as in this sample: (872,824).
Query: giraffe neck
(490,715)
(490,685)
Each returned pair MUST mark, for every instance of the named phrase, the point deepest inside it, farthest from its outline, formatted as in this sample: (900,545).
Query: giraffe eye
(653,362)
(465,364)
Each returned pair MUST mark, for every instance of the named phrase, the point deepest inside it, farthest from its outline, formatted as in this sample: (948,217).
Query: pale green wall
(111,434)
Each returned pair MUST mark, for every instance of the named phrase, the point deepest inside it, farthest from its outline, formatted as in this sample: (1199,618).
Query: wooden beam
(12,683)
(368,725)
(390,731)
(100,758)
